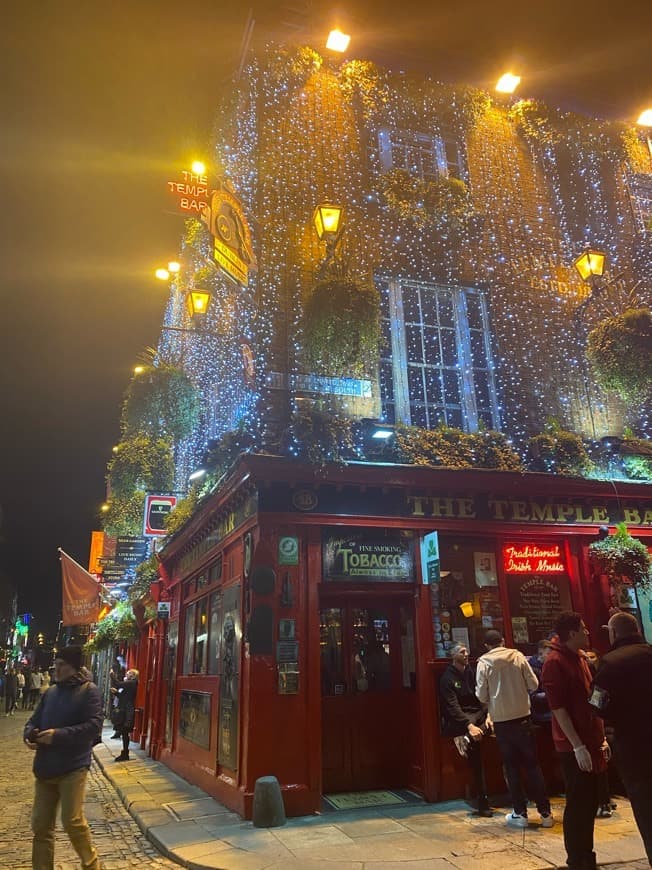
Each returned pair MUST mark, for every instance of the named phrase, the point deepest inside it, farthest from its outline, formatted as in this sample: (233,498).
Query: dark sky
(98,101)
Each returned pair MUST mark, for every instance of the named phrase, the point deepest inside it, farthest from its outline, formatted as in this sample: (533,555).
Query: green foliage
(361,80)
(453,448)
(146,574)
(622,556)
(341,328)
(620,352)
(558,452)
(637,457)
(125,514)
(320,437)
(225,450)
(183,511)
(141,463)
(442,203)
(118,625)
(195,233)
(160,402)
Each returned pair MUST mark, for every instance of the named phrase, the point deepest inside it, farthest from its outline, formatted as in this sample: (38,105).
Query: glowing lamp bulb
(162,274)
(198,167)
(645,118)
(138,370)
(338,41)
(508,83)
(174,267)
(467,609)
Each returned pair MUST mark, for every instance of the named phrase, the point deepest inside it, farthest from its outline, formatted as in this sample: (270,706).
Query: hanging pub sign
(189,193)
(533,559)
(233,246)
(157,508)
(361,557)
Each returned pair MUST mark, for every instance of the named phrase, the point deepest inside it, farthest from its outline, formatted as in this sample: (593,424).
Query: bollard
(268,809)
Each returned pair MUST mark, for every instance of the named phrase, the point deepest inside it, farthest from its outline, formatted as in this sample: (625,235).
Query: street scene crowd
(595,711)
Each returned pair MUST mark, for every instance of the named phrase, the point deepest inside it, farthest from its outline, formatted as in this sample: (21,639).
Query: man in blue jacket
(62,731)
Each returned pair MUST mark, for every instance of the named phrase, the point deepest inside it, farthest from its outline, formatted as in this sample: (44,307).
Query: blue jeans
(519,750)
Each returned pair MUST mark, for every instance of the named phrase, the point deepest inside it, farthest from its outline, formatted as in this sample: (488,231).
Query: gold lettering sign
(225,218)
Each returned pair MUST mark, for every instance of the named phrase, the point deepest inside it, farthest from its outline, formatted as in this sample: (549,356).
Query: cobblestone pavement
(118,839)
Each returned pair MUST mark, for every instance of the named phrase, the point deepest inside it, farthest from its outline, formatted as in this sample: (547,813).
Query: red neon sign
(190,192)
(533,559)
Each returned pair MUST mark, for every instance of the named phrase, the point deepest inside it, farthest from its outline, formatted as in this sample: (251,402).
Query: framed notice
(195,718)
(364,557)
(485,569)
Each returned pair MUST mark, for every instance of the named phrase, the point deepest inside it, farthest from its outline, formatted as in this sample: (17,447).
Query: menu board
(535,602)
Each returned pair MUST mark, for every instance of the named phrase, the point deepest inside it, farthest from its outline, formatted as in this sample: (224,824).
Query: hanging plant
(341,328)
(118,625)
(557,451)
(620,352)
(161,402)
(361,80)
(124,515)
(320,437)
(442,203)
(182,512)
(141,463)
(453,448)
(636,455)
(146,574)
(622,557)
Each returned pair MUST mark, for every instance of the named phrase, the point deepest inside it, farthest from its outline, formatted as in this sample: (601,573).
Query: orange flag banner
(80,593)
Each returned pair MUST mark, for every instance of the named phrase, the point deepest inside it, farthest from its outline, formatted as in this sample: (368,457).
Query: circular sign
(304,499)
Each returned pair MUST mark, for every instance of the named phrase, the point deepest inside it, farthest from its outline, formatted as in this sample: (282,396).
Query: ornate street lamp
(338,41)
(507,83)
(590,265)
(327,219)
(197,302)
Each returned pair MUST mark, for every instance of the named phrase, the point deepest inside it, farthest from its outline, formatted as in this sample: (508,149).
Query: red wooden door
(368,693)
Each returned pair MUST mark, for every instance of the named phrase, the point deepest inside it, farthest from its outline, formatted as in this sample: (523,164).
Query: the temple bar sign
(528,510)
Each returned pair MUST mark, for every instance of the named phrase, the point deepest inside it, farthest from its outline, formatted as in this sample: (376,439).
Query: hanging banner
(80,593)
(96,553)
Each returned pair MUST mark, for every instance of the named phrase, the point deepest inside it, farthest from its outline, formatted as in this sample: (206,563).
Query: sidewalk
(199,833)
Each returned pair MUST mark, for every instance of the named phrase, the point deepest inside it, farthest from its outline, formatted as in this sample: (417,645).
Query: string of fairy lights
(298,131)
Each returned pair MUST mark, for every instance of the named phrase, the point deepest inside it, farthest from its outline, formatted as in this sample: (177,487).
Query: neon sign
(190,192)
(533,559)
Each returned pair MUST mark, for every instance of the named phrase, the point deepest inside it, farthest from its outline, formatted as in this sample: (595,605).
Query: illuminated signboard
(190,193)
(233,246)
(533,559)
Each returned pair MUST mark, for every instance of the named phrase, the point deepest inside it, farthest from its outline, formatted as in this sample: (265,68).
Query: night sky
(98,101)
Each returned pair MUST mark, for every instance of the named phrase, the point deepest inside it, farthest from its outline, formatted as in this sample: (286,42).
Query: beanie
(72,655)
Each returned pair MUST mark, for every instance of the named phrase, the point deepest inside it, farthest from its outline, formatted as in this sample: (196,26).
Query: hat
(72,655)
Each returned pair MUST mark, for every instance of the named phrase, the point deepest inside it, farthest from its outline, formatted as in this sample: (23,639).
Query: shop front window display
(466,600)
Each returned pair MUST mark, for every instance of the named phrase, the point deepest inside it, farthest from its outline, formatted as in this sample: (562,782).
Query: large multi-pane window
(425,155)
(436,366)
(640,189)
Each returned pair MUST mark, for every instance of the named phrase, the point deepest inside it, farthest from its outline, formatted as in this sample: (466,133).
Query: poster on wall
(195,718)
(227,744)
(538,600)
(485,569)
(430,563)
(367,557)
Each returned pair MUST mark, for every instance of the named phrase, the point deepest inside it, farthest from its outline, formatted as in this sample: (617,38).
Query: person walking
(123,721)
(23,687)
(35,688)
(465,719)
(11,691)
(62,731)
(606,805)
(504,681)
(46,681)
(622,696)
(578,735)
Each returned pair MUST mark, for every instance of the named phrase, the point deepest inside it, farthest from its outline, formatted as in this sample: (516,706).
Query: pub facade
(312,614)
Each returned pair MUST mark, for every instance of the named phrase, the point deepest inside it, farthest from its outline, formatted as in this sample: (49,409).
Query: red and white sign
(157,507)
(190,192)
(533,559)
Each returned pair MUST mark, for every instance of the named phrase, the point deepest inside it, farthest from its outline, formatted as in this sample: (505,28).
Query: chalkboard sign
(536,600)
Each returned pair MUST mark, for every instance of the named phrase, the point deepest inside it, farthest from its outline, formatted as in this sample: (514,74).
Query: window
(423,154)
(201,637)
(437,366)
(640,191)
(188,639)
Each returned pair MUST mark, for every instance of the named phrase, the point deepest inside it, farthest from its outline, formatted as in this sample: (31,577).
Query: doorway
(368,687)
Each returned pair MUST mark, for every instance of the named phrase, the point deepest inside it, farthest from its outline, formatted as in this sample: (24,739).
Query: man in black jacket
(62,731)
(464,717)
(622,695)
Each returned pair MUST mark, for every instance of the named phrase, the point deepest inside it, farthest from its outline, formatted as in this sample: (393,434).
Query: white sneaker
(516,821)
(547,821)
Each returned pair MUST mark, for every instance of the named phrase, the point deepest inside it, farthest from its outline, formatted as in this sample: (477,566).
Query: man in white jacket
(504,680)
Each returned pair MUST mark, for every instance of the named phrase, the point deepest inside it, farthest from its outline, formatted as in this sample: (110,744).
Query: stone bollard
(268,809)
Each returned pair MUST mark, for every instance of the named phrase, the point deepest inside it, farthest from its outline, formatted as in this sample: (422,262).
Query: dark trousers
(582,799)
(474,758)
(519,750)
(634,764)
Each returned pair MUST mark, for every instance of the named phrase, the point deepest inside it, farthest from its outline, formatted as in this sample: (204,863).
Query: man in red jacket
(578,735)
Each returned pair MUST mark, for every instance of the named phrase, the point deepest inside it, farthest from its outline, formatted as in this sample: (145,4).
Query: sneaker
(604,812)
(517,821)
(547,820)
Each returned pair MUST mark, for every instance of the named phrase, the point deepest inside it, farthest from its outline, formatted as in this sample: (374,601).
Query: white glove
(583,759)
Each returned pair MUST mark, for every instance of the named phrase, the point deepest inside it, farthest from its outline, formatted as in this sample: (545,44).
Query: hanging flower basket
(557,451)
(620,352)
(622,558)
